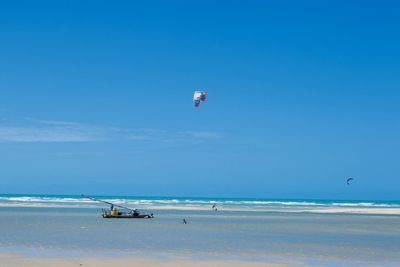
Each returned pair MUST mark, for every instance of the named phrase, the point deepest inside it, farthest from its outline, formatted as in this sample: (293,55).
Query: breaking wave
(187,203)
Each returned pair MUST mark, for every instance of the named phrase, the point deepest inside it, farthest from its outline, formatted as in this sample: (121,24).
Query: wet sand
(15,260)
(331,210)
(70,237)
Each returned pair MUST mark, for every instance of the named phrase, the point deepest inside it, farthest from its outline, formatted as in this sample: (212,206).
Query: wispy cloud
(171,136)
(202,135)
(51,133)
(146,134)
(46,131)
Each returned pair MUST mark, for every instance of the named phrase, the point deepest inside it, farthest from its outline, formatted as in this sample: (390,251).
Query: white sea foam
(228,204)
(364,204)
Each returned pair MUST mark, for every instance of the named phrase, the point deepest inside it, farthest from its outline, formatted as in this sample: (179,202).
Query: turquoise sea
(243,204)
(316,232)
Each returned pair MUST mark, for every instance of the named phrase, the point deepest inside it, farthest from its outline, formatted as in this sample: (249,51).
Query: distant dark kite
(348,180)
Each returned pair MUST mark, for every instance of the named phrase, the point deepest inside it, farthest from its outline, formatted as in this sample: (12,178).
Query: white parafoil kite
(198,97)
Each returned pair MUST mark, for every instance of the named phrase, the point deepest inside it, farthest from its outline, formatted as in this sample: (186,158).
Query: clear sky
(95,97)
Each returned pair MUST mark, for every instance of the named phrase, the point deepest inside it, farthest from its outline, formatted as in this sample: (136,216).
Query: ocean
(315,232)
(181,203)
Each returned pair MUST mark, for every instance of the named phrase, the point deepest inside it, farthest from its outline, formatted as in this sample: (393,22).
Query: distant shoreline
(355,211)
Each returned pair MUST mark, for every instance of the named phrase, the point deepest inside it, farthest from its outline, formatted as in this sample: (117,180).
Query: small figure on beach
(214,207)
(184,221)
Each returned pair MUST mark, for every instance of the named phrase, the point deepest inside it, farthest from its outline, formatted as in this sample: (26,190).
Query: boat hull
(127,216)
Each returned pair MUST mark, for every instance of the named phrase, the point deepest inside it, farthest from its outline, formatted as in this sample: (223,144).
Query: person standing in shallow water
(184,221)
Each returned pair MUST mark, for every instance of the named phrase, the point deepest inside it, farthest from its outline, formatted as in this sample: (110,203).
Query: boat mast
(109,203)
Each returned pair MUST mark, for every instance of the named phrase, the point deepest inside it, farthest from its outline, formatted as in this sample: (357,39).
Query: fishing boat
(125,213)
(127,216)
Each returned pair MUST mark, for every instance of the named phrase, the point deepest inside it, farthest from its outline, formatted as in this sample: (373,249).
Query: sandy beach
(152,208)
(41,237)
(15,260)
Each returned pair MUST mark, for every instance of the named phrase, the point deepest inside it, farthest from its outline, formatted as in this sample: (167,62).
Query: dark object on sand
(214,207)
(117,214)
(128,215)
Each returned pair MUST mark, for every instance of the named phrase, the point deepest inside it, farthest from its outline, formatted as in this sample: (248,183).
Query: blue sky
(95,97)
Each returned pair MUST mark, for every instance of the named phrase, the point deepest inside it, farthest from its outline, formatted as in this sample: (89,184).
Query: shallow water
(327,239)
